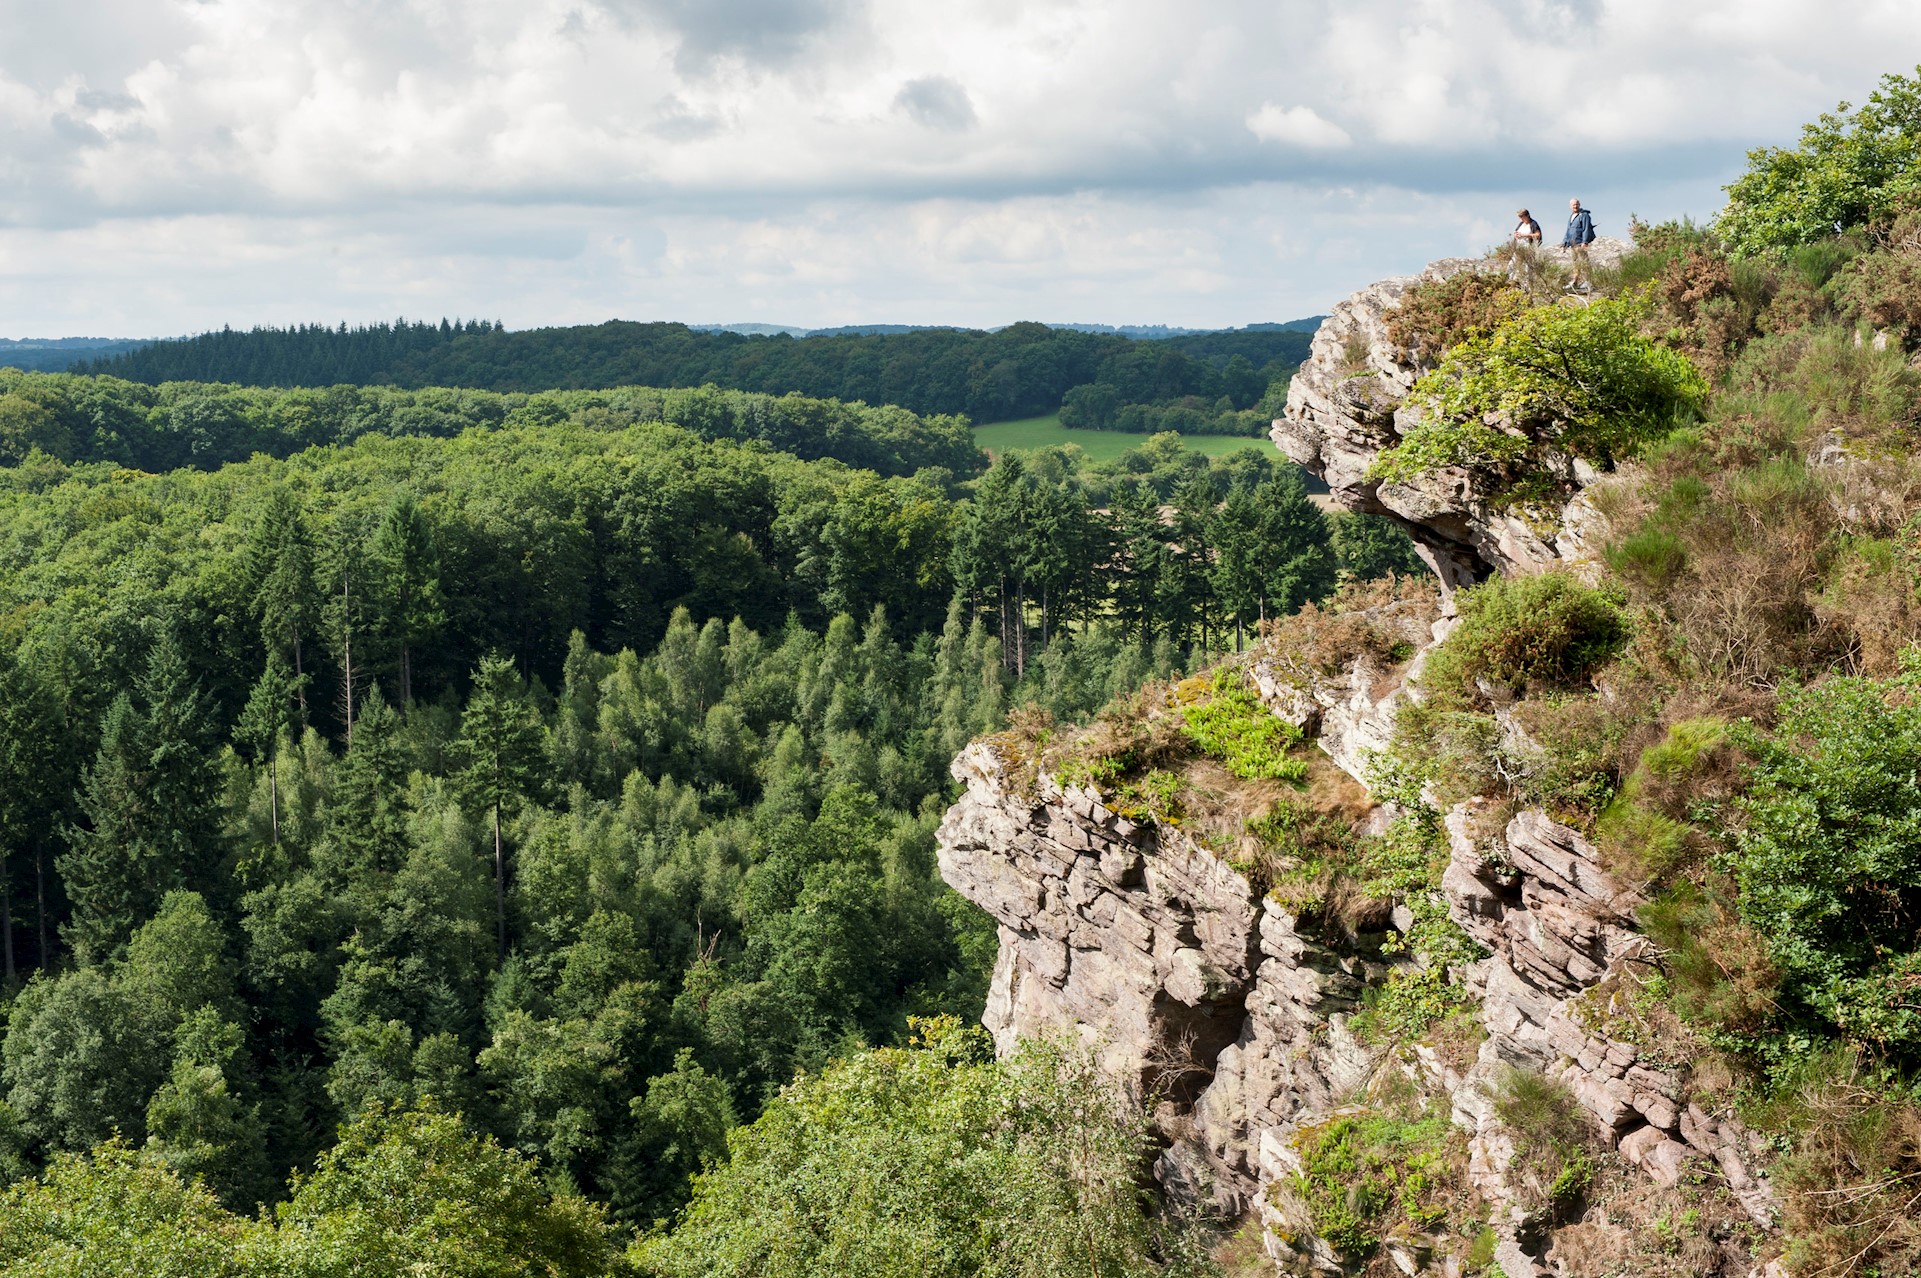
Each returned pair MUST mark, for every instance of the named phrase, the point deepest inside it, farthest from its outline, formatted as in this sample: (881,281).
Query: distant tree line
(1023,370)
(71,418)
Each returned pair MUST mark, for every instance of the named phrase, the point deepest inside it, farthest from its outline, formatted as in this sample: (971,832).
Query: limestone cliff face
(1198,988)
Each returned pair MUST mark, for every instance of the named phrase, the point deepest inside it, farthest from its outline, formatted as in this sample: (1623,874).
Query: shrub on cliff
(1581,379)
(1370,1174)
(1226,719)
(1548,630)
(1828,856)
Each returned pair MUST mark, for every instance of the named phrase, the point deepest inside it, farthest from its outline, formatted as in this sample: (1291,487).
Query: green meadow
(1099,445)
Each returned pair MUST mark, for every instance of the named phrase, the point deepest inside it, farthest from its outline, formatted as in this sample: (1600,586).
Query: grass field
(1100,445)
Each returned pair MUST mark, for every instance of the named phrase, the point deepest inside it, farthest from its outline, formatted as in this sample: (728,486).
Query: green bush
(1549,630)
(1232,724)
(1831,841)
(1827,853)
(1405,1007)
(933,1160)
(1582,379)
(1853,169)
(404,1193)
(1362,1175)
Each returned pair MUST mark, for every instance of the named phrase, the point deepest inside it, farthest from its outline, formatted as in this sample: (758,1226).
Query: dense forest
(1023,370)
(68,418)
(554,790)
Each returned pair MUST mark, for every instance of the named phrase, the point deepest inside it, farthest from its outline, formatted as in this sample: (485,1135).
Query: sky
(168,166)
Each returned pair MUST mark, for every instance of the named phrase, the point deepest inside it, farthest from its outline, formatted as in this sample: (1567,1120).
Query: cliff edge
(1208,966)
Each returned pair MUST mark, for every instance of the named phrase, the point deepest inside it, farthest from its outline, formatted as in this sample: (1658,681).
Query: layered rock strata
(1188,983)
(1198,989)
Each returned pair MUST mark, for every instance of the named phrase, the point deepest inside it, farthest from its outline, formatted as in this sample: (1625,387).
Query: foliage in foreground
(405,1192)
(933,1160)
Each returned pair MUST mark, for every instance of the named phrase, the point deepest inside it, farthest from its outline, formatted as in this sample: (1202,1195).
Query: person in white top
(1527,233)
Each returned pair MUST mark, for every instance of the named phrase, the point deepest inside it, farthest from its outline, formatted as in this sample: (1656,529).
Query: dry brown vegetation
(1851,1187)
(1436,314)
(1382,621)
(1634,1228)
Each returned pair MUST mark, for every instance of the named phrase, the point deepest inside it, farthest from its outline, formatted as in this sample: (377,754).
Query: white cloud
(1297,126)
(167,164)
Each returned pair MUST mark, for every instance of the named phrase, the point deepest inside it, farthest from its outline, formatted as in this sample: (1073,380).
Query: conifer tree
(1142,552)
(279,561)
(267,716)
(368,812)
(150,806)
(405,575)
(34,760)
(503,749)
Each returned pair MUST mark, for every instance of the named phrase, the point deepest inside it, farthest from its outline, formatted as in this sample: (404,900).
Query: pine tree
(404,575)
(368,814)
(503,748)
(150,805)
(1293,562)
(1141,552)
(34,778)
(279,561)
(266,718)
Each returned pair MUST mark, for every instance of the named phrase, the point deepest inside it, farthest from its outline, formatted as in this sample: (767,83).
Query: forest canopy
(70,418)
(563,786)
(1022,370)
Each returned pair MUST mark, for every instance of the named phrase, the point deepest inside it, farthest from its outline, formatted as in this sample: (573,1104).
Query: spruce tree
(503,749)
(149,806)
(369,812)
(34,780)
(267,717)
(279,564)
(404,575)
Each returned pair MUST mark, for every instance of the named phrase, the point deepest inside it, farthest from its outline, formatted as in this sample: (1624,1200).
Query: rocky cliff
(1346,404)
(1239,1010)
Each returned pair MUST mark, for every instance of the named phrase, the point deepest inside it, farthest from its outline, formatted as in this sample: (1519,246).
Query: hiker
(1527,232)
(1580,234)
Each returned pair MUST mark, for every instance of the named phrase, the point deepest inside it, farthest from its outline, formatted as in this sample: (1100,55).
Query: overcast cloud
(172,165)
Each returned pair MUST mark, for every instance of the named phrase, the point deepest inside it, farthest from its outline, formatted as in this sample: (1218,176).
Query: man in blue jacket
(1580,234)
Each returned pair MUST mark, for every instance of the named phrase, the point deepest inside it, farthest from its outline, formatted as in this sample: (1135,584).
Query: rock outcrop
(1235,1011)
(1346,405)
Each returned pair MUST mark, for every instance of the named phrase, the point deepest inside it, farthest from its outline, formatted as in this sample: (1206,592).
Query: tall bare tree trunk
(500,891)
(40,893)
(1020,630)
(299,679)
